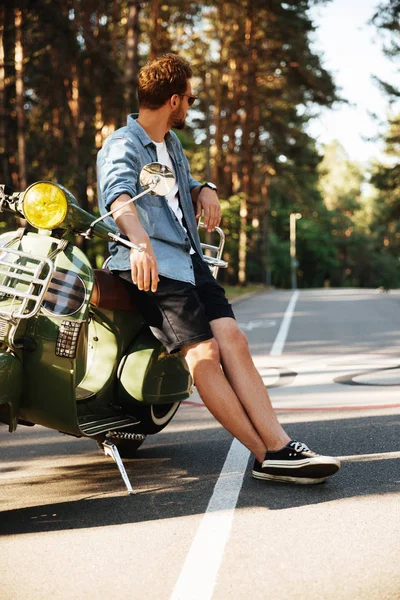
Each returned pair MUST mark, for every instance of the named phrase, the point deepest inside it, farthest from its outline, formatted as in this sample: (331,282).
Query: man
(185,307)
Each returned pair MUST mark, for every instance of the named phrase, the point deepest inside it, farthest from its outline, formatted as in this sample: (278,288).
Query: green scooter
(75,355)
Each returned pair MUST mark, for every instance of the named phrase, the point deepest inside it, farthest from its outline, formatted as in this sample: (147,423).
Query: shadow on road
(177,478)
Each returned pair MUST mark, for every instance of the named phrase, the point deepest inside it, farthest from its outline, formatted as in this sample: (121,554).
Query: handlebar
(8,198)
(5,190)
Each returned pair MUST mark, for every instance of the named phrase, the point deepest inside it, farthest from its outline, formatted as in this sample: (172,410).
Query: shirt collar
(140,132)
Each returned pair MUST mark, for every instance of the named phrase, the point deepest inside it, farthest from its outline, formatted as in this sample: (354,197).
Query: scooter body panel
(114,365)
(58,355)
(84,369)
(10,388)
(149,375)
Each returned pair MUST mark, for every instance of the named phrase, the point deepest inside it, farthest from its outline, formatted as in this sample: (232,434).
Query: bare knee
(207,350)
(231,338)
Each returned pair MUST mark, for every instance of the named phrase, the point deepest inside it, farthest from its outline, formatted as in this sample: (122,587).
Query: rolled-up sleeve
(117,171)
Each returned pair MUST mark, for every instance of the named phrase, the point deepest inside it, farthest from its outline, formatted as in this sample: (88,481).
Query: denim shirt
(119,162)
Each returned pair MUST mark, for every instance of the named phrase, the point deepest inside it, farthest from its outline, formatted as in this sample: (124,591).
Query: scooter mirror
(158,177)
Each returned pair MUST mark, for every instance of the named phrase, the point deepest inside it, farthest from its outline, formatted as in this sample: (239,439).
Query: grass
(234,291)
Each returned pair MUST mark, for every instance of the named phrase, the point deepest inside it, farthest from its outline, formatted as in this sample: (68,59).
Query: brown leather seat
(111,292)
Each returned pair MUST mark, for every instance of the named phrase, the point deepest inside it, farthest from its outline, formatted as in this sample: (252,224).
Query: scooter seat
(110,291)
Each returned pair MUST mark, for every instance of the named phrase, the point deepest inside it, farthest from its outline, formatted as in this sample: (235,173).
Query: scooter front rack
(24,279)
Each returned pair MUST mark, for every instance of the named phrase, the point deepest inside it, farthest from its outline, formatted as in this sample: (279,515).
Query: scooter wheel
(152,420)
(155,417)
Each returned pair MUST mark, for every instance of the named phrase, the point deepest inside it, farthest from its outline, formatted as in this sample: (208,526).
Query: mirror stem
(150,187)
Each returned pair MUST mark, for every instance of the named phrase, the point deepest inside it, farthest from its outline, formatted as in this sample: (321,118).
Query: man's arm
(204,200)
(143,264)
(117,174)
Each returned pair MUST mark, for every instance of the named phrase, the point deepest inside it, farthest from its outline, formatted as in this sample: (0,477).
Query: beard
(177,119)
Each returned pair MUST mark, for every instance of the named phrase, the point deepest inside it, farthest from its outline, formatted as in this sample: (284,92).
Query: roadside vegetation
(68,72)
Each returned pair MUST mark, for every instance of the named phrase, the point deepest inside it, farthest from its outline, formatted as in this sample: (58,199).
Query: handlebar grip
(5,190)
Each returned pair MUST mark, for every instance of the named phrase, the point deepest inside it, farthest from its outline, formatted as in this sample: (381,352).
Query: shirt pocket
(149,200)
(152,217)
(155,220)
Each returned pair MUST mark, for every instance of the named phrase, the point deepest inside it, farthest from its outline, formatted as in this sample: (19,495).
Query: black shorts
(179,313)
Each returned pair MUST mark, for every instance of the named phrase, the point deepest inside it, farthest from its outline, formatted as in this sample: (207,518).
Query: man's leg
(238,399)
(204,361)
(246,382)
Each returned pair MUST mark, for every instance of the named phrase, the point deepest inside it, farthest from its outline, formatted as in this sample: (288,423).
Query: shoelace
(299,446)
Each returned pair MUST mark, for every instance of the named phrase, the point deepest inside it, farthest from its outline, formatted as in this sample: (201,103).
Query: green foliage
(317,251)
(259,82)
(385,229)
(340,180)
(280,261)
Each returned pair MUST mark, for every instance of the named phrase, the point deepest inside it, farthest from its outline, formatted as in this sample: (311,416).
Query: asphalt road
(200,527)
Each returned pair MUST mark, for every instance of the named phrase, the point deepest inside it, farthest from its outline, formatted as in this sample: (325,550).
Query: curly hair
(161,78)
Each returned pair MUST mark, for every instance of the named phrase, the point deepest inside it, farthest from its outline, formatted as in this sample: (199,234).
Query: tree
(257,77)
(386,177)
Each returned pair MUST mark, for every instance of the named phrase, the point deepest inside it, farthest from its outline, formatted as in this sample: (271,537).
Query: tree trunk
(247,157)
(216,148)
(207,124)
(156,33)
(116,17)
(132,57)
(19,84)
(4,175)
(73,103)
(266,233)
(235,97)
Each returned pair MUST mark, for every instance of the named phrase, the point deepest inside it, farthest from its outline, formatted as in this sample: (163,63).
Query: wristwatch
(210,185)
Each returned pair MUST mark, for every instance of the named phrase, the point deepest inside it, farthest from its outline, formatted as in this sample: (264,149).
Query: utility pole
(293,261)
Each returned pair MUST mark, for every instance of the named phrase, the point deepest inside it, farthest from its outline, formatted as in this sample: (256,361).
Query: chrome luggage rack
(215,262)
(24,279)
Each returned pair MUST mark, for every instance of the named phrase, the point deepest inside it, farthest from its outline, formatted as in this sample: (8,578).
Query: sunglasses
(191,99)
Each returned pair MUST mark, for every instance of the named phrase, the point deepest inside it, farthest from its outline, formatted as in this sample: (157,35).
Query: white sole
(305,465)
(326,460)
(298,480)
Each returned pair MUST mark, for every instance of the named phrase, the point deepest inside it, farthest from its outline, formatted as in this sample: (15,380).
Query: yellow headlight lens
(45,205)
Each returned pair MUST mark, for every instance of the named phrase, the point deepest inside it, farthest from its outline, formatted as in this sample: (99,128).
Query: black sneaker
(296,463)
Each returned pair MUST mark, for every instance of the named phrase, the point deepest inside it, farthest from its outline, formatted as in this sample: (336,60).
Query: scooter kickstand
(112,450)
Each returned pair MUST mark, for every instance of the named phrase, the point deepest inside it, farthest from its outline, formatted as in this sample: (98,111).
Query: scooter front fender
(10,388)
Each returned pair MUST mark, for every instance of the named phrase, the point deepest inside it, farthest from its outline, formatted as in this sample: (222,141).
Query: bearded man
(173,288)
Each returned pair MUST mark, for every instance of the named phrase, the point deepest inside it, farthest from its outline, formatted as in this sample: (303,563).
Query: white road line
(199,572)
(200,569)
(370,457)
(280,339)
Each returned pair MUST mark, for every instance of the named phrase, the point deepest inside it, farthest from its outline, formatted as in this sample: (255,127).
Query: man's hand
(143,264)
(144,268)
(207,200)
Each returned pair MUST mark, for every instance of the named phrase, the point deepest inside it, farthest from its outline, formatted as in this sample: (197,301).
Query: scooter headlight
(45,205)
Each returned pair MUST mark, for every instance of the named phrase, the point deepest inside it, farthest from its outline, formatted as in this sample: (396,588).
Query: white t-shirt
(164,158)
